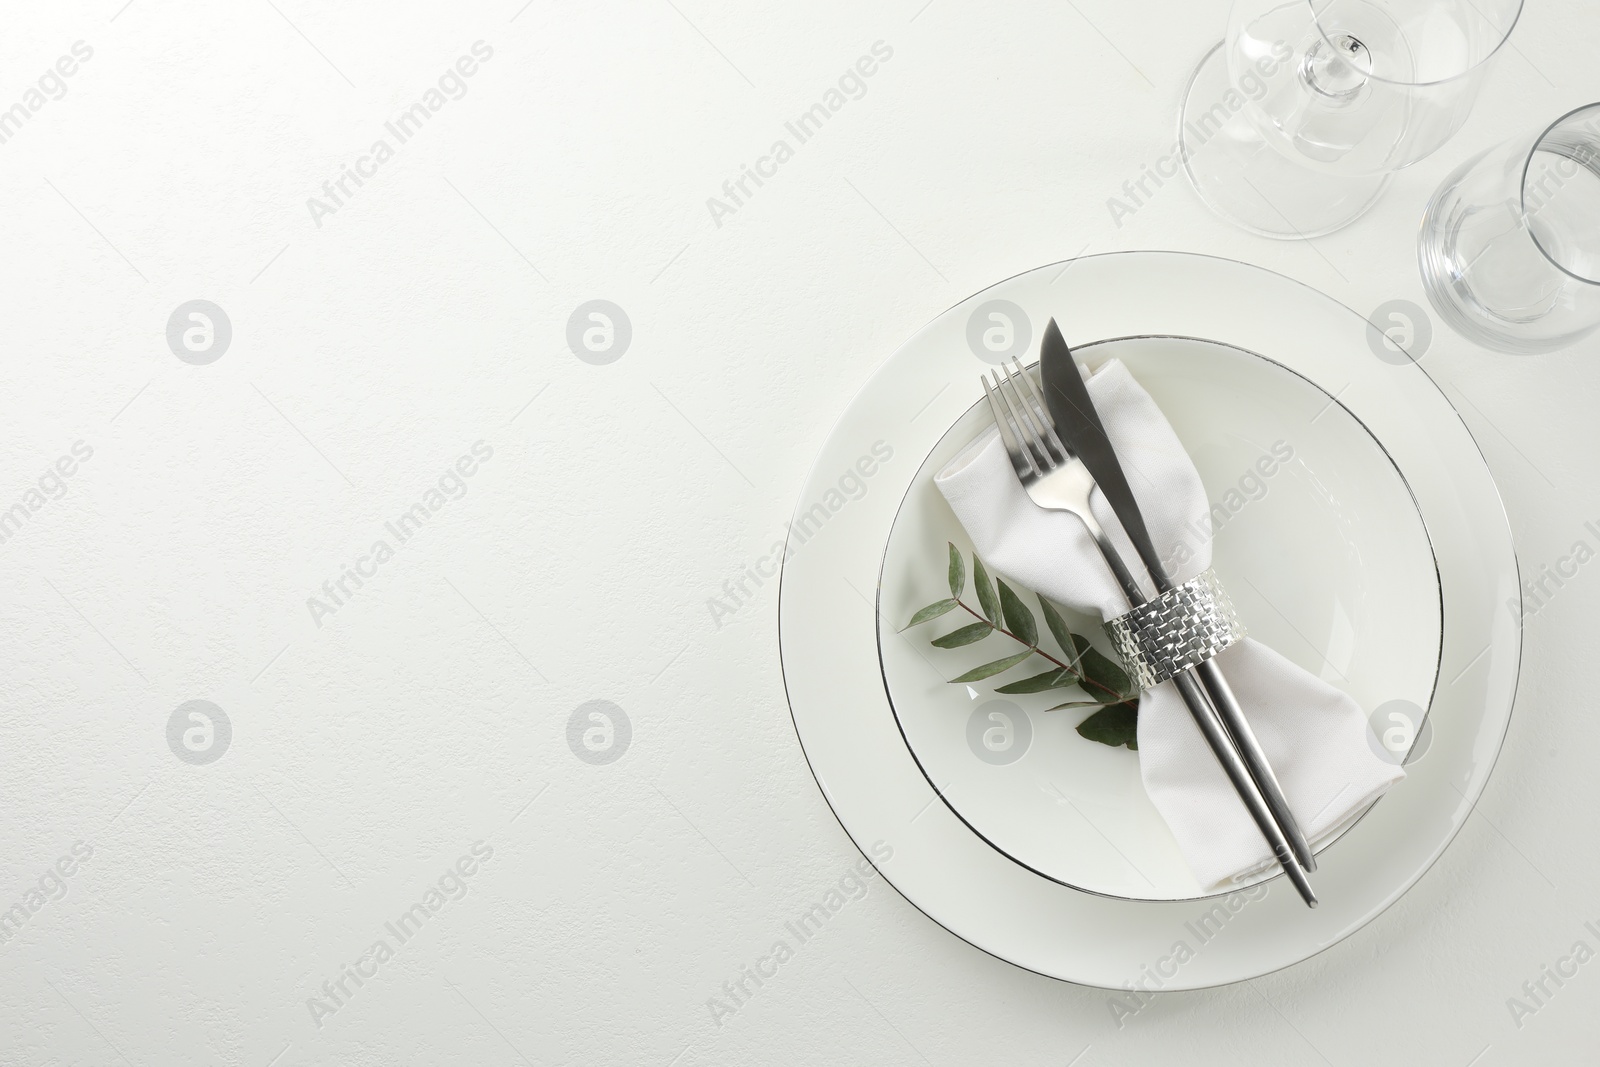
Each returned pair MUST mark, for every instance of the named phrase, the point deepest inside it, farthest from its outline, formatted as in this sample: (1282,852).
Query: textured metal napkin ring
(1175,631)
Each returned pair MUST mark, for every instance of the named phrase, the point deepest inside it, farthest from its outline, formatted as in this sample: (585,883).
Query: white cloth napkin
(1314,735)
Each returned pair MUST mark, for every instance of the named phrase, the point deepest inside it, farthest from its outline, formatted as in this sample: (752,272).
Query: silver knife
(1073,411)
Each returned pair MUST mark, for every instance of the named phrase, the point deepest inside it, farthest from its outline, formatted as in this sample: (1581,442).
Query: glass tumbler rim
(1465,72)
(1522,191)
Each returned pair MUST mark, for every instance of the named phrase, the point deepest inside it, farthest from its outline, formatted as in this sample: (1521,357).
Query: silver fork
(1056,479)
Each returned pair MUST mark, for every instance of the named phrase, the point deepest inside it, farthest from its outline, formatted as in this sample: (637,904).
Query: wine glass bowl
(1292,126)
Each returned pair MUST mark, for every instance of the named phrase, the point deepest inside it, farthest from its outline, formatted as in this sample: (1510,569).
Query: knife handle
(1227,709)
(1255,760)
(1217,736)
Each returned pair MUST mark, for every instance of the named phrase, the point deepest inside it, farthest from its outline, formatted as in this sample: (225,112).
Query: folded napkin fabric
(1314,735)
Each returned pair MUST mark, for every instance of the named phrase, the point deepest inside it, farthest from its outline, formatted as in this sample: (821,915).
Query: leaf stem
(1083,682)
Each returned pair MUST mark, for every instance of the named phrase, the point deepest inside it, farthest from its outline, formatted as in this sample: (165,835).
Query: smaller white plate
(1318,541)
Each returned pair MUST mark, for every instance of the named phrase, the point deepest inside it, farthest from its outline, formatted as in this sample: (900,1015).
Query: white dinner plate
(1317,540)
(1036,908)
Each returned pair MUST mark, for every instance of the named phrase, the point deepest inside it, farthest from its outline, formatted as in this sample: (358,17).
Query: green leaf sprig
(1103,683)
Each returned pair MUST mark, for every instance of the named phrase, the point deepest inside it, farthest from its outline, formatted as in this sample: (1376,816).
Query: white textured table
(387,728)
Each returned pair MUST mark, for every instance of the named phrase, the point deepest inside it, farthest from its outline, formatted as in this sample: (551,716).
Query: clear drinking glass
(1510,245)
(1292,126)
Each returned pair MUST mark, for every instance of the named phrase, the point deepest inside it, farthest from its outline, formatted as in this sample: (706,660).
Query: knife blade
(1079,424)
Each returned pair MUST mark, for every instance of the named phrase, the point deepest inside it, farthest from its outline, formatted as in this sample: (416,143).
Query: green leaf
(1077,704)
(932,611)
(965,636)
(958,572)
(1058,627)
(1019,620)
(1051,679)
(989,670)
(986,600)
(1098,668)
(1115,725)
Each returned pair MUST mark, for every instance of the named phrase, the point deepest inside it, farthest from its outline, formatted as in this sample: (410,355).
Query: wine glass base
(1246,181)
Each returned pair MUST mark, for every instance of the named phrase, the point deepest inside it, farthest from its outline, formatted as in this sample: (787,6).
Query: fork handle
(1113,558)
(1239,773)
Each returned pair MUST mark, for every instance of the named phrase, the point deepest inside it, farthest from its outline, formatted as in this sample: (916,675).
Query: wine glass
(1510,244)
(1293,125)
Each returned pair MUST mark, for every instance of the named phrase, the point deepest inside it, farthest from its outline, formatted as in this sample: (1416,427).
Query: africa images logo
(452,485)
(454,884)
(809,522)
(802,128)
(852,886)
(451,85)
(1251,86)
(52,81)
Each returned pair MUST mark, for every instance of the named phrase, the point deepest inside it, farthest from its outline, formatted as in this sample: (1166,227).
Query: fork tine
(1021,461)
(1043,412)
(1039,424)
(1041,453)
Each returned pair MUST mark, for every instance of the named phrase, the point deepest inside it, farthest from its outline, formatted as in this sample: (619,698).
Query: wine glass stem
(1336,68)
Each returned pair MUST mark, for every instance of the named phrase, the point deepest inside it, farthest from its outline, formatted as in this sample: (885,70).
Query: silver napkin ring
(1178,629)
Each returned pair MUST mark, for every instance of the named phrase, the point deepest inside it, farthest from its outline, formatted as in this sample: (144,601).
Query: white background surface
(430,711)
